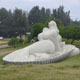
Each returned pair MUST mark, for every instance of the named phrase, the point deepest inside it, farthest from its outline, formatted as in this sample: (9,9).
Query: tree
(75,33)
(55,13)
(3,21)
(71,32)
(48,13)
(76,22)
(43,15)
(19,22)
(12,23)
(34,15)
(62,15)
(36,29)
(38,15)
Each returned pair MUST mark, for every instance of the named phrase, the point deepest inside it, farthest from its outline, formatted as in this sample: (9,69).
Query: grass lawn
(68,69)
(12,48)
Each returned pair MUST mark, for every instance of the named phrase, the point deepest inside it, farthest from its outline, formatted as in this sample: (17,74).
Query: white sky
(72,5)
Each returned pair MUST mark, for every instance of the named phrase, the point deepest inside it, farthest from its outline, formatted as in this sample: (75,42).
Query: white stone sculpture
(48,49)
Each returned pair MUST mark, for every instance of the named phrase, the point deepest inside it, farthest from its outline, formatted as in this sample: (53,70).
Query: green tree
(43,15)
(19,21)
(76,22)
(38,15)
(36,29)
(54,14)
(3,21)
(34,15)
(48,13)
(62,15)
(12,23)
(71,32)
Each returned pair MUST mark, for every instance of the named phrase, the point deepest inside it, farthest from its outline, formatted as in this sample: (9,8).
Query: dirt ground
(3,42)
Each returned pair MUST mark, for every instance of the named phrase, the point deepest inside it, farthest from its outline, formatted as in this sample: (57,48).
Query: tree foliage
(76,22)
(71,32)
(36,29)
(17,22)
(62,15)
(12,23)
(42,15)
(34,15)
(15,41)
(38,15)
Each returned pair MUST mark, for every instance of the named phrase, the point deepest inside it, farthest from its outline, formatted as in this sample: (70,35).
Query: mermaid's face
(52,24)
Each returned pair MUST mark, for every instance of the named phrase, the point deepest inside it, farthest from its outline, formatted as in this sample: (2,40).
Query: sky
(27,5)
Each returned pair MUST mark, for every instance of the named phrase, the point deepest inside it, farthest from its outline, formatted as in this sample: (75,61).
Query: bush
(15,41)
(29,37)
(36,29)
(70,32)
(25,39)
(35,38)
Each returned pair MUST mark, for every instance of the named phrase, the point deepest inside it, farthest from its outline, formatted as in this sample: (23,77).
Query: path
(5,52)
(4,46)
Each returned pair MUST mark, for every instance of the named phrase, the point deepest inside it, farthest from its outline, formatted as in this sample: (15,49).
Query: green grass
(12,48)
(4,39)
(68,69)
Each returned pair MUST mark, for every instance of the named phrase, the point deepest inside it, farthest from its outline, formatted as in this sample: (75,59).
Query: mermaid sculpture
(48,49)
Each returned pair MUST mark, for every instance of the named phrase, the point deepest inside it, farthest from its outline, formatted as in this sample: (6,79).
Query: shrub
(29,37)
(70,32)
(36,29)
(15,41)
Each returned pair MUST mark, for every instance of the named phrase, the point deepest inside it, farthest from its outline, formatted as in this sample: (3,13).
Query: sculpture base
(22,56)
